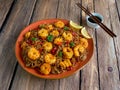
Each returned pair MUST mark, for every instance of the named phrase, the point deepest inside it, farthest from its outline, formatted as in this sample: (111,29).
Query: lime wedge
(75,25)
(85,33)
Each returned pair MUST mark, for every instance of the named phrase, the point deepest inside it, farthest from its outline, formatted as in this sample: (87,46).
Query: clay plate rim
(77,67)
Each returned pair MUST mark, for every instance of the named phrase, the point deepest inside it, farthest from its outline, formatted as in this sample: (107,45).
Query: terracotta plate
(77,67)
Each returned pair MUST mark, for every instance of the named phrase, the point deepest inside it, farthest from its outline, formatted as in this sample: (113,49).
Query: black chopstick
(97,20)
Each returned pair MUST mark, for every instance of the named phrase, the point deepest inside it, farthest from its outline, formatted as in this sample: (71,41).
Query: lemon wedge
(75,25)
(85,33)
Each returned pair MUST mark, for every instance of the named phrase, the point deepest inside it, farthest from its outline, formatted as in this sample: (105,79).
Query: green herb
(60,53)
(50,38)
(66,28)
(42,26)
(34,39)
(72,44)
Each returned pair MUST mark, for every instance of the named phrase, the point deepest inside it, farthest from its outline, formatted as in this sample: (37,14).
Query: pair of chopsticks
(97,20)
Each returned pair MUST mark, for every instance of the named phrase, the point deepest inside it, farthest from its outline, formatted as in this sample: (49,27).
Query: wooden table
(101,73)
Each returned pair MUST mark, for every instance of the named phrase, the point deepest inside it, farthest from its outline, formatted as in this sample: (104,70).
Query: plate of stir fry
(53,48)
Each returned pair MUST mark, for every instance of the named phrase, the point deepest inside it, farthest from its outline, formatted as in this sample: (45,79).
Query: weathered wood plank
(44,9)
(19,17)
(68,10)
(115,23)
(118,7)
(89,74)
(4,8)
(24,81)
(51,85)
(109,75)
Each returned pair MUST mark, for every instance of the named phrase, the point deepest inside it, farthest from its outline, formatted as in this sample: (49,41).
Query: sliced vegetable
(50,38)
(66,28)
(60,43)
(67,42)
(34,39)
(60,53)
(85,33)
(42,26)
(53,51)
(74,33)
(75,25)
(72,44)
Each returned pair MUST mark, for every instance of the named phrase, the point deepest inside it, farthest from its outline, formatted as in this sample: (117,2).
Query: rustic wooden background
(101,73)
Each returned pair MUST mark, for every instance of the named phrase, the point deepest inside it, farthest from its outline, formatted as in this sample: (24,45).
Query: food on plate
(54,48)
(27,35)
(50,27)
(66,63)
(49,58)
(33,53)
(55,33)
(68,52)
(58,41)
(47,46)
(84,42)
(85,33)
(79,49)
(59,24)
(45,68)
(75,26)
(67,36)
(43,33)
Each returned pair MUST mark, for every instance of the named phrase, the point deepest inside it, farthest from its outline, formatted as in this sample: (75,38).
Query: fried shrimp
(53,47)
(66,63)
(49,58)
(27,35)
(84,42)
(47,46)
(78,49)
(43,33)
(33,53)
(58,41)
(55,33)
(45,68)
(59,24)
(50,27)
(23,45)
(67,36)
(68,53)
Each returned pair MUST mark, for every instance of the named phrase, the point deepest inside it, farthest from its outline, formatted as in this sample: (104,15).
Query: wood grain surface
(6,4)
(26,81)
(101,73)
(21,12)
(117,7)
(89,74)
(71,12)
(106,51)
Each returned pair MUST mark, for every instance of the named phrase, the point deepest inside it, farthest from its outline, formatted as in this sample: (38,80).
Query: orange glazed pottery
(32,71)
